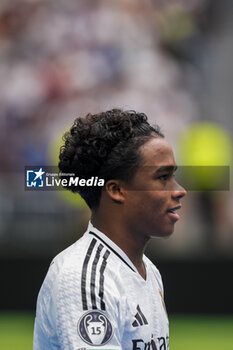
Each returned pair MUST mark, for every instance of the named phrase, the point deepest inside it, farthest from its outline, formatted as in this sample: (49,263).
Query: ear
(114,190)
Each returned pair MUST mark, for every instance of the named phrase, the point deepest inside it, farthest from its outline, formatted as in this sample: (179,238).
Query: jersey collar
(114,247)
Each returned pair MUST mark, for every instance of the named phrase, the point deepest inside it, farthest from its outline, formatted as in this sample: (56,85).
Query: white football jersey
(94,298)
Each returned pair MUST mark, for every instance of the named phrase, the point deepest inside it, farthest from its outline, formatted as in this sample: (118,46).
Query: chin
(163,234)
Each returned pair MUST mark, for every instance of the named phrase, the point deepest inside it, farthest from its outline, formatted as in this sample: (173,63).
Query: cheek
(159,204)
(156,200)
(149,204)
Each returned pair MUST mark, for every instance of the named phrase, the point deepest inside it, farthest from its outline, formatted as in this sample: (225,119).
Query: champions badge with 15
(95,328)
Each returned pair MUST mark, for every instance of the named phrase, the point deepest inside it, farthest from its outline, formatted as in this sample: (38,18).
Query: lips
(173,210)
(173,214)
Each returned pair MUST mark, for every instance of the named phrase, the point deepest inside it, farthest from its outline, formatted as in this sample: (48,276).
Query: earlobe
(113,189)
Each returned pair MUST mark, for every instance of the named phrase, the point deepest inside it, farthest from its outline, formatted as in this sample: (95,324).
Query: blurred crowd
(60,59)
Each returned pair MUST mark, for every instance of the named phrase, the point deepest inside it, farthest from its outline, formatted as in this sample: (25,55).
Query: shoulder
(69,259)
(80,282)
(87,270)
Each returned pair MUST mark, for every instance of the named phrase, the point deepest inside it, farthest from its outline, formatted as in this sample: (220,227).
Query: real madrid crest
(95,328)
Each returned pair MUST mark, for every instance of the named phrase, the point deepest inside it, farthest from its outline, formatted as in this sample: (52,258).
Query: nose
(179,191)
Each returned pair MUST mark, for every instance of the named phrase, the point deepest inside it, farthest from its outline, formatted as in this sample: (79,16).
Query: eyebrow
(168,168)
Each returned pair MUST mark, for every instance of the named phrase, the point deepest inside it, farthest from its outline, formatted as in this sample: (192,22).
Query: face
(153,196)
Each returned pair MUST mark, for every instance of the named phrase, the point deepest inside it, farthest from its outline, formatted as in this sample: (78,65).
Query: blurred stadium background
(59,59)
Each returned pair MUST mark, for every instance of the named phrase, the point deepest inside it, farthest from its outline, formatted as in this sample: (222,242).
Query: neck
(133,245)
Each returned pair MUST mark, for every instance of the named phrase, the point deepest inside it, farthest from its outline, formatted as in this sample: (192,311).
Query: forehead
(157,152)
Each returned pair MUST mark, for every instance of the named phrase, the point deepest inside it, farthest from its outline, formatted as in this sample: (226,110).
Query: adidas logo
(140,319)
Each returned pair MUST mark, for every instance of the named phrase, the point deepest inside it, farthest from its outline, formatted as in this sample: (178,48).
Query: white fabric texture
(93,296)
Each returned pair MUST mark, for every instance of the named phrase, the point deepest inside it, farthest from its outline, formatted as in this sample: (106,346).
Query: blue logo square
(35,178)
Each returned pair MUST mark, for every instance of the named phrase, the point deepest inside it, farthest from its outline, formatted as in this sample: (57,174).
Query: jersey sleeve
(79,310)
(45,336)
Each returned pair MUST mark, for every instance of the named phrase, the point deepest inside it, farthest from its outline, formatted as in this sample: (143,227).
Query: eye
(163,177)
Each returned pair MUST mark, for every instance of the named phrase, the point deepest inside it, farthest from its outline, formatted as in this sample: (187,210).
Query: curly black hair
(104,145)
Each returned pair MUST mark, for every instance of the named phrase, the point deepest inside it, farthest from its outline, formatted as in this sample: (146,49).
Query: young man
(103,292)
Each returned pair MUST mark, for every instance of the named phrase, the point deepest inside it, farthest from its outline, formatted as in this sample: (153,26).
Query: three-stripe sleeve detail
(101,280)
(93,276)
(93,271)
(84,273)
